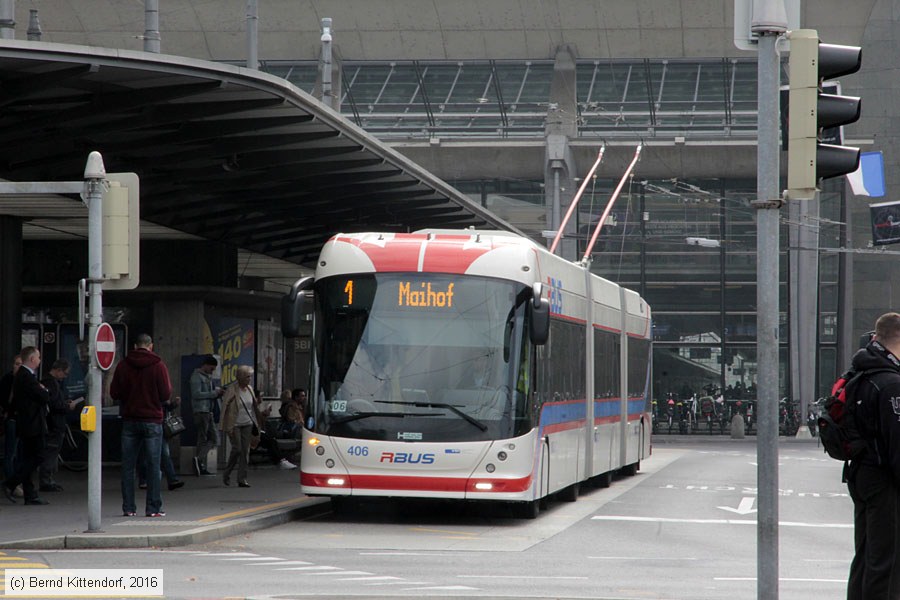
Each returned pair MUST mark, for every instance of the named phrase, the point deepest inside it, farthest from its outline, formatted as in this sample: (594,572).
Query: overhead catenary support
(7,19)
(151,26)
(253,34)
(585,260)
(574,202)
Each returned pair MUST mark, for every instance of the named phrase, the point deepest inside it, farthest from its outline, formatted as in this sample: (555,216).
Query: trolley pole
(769,22)
(95,183)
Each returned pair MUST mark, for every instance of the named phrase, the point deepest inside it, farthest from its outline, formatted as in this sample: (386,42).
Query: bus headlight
(490,468)
(320,450)
(501,455)
(329,463)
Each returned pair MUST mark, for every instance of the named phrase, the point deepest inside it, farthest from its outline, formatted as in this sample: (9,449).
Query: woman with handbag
(240,422)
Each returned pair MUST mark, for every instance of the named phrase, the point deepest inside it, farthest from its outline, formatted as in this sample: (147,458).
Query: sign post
(95,183)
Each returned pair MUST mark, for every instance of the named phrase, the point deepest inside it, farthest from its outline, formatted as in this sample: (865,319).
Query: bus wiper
(465,416)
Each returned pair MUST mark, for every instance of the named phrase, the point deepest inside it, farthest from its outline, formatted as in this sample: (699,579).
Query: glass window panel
(367,85)
(740,328)
(685,371)
(703,328)
(828,371)
(679,88)
(683,296)
(828,326)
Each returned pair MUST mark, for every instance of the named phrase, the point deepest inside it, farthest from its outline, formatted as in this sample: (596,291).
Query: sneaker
(175,485)
(129,513)
(18,493)
(197,466)
(286,465)
(207,473)
(50,487)
(156,514)
(9,493)
(142,486)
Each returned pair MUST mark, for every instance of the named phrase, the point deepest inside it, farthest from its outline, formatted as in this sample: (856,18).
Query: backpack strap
(851,387)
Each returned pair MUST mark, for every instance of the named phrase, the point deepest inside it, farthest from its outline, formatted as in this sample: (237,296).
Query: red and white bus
(459,364)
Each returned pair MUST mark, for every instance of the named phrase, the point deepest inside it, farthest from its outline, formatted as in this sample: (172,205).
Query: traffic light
(810,112)
(121,232)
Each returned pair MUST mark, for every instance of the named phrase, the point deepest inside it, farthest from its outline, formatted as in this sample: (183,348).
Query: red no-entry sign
(105,346)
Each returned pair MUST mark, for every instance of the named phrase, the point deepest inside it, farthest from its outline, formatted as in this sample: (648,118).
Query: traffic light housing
(121,232)
(810,111)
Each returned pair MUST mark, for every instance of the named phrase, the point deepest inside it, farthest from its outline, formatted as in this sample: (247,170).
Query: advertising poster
(269,359)
(233,342)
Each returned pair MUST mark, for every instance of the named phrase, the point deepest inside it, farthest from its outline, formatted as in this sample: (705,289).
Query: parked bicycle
(71,442)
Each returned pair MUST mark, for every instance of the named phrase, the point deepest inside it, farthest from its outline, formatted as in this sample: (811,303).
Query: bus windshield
(421,357)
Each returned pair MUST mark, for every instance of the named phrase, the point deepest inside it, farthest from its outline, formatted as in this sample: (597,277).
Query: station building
(509,102)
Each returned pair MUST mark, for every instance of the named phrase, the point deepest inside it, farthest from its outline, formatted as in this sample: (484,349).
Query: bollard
(737,427)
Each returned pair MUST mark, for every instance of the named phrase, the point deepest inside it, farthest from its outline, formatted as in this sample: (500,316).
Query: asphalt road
(683,528)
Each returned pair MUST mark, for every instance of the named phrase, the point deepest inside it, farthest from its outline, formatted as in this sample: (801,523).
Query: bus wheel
(604,480)
(569,494)
(631,469)
(527,510)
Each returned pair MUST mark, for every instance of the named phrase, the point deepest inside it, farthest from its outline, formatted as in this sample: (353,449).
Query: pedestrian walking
(142,387)
(10,440)
(241,423)
(29,404)
(59,407)
(873,479)
(203,394)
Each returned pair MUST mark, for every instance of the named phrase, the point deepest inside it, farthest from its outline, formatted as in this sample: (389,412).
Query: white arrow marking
(744,508)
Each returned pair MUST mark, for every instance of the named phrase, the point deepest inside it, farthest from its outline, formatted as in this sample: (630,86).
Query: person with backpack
(873,471)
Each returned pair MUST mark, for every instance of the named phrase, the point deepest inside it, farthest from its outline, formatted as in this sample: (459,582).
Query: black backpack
(837,424)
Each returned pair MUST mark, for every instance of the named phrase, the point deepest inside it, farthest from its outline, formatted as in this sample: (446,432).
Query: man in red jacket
(142,387)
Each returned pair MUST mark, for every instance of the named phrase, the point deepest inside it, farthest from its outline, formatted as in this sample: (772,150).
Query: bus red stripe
(419,484)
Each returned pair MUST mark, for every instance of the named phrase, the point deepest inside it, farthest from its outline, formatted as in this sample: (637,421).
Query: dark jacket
(5,393)
(58,404)
(29,401)
(142,387)
(877,408)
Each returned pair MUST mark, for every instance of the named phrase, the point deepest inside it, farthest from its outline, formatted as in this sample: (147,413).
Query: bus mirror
(296,305)
(540,317)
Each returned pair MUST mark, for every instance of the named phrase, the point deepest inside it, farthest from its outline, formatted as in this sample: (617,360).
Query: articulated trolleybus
(468,364)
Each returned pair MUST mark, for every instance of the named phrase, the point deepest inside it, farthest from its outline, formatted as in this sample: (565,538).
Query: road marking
(249,511)
(253,558)
(313,568)
(282,563)
(373,578)
(719,521)
(790,579)
(641,558)
(519,577)
(464,533)
(442,588)
(406,554)
(744,508)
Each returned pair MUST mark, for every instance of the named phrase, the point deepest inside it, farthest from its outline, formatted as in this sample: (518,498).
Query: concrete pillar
(10,290)
(178,330)
(559,165)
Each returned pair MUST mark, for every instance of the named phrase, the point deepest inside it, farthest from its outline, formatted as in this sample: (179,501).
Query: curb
(199,535)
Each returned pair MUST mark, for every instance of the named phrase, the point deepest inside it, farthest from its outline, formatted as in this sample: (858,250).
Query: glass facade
(615,98)
(689,247)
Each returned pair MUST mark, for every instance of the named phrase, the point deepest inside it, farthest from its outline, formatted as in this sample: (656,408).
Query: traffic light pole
(768,204)
(95,183)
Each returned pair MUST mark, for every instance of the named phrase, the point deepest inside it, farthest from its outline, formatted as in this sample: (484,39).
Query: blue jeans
(137,436)
(165,463)
(11,443)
